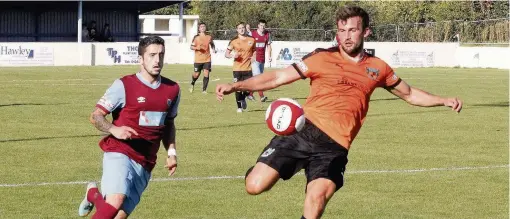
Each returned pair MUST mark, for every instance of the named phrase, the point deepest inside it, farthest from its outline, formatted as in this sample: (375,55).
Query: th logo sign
(113,54)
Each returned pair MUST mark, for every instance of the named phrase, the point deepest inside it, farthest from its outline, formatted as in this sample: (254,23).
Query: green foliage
(422,21)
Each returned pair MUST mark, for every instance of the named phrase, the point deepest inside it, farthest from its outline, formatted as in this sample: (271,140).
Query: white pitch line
(53,80)
(240,177)
(86,84)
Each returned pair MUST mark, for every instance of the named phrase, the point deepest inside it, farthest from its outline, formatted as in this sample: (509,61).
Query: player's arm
(169,131)
(253,57)
(169,144)
(268,80)
(113,98)
(98,119)
(270,52)
(269,48)
(262,82)
(302,69)
(193,44)
(213,47)
(169,137)
(418,97)
(228,52)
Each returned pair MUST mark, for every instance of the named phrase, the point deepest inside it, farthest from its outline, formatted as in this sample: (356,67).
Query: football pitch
(406,162)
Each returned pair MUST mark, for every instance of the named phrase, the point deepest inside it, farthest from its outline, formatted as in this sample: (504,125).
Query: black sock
(238,99)
(193,80)
(206,82)
(303,217)
(244,94)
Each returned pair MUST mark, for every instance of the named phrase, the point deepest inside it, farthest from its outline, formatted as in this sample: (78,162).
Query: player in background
(342,81)
(244,53)
(143,106)
(262,41)
(248,30)
(201,44)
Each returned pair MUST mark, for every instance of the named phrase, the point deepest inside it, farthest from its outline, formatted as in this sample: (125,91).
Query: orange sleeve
(193,41)
(230,45)
(390,78)
(309,66)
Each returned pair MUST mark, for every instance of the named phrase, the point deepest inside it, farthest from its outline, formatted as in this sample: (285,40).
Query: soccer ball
(285,116)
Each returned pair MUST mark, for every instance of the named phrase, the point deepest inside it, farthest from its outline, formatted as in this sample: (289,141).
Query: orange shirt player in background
(244,49)
(342,81)
(200,45)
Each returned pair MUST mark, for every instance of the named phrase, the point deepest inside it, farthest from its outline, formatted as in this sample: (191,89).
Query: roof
(140,6)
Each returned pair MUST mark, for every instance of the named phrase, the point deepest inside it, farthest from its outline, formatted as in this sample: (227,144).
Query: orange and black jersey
(203,55)
(245,48)
(340,90)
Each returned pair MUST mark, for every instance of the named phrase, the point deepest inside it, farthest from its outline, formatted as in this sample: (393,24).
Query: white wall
(45,54)
(189,24)
(284,53)
(483,57)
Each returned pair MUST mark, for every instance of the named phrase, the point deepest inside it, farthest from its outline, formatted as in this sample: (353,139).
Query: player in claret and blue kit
(143,106)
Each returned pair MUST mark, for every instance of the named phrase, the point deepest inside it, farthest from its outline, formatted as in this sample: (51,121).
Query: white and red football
(285,116)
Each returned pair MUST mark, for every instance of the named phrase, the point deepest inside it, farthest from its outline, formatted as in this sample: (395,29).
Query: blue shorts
(122,175)
(257,68)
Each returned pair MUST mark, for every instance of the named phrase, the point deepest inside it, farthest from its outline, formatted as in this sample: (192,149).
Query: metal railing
(492,31)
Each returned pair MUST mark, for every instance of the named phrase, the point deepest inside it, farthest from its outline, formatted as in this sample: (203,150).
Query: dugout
(61,21)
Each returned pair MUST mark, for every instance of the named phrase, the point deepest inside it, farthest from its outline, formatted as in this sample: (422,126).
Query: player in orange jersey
(244,49)
(200,45)
(342,81)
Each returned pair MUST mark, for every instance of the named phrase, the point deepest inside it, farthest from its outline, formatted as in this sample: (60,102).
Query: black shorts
(200,66)
(242,75)
(311,149)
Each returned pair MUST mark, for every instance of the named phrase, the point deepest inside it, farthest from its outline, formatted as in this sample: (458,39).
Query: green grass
(45,137)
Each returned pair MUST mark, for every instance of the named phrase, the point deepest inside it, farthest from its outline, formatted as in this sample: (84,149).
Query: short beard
(150,73)
(355,51)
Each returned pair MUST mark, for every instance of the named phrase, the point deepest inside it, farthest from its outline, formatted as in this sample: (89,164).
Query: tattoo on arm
(101,123)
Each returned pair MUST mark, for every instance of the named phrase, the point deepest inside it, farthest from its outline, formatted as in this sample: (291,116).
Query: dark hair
(147,41)
(201,23)
(240,23)
(262,21)
(347,12)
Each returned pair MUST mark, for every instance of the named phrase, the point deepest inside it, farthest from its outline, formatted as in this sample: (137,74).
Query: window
(161,25)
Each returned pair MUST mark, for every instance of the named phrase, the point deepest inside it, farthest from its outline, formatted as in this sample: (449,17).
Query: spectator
(93,36)
(248,30)
(84,33)
(92,25)
(106,34)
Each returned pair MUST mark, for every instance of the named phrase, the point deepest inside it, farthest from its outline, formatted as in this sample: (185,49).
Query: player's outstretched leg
(261,178)
(86,206)
(318,193)
(94,198)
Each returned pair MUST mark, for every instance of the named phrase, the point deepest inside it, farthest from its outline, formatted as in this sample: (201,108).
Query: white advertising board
(116,53)
(24,54)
